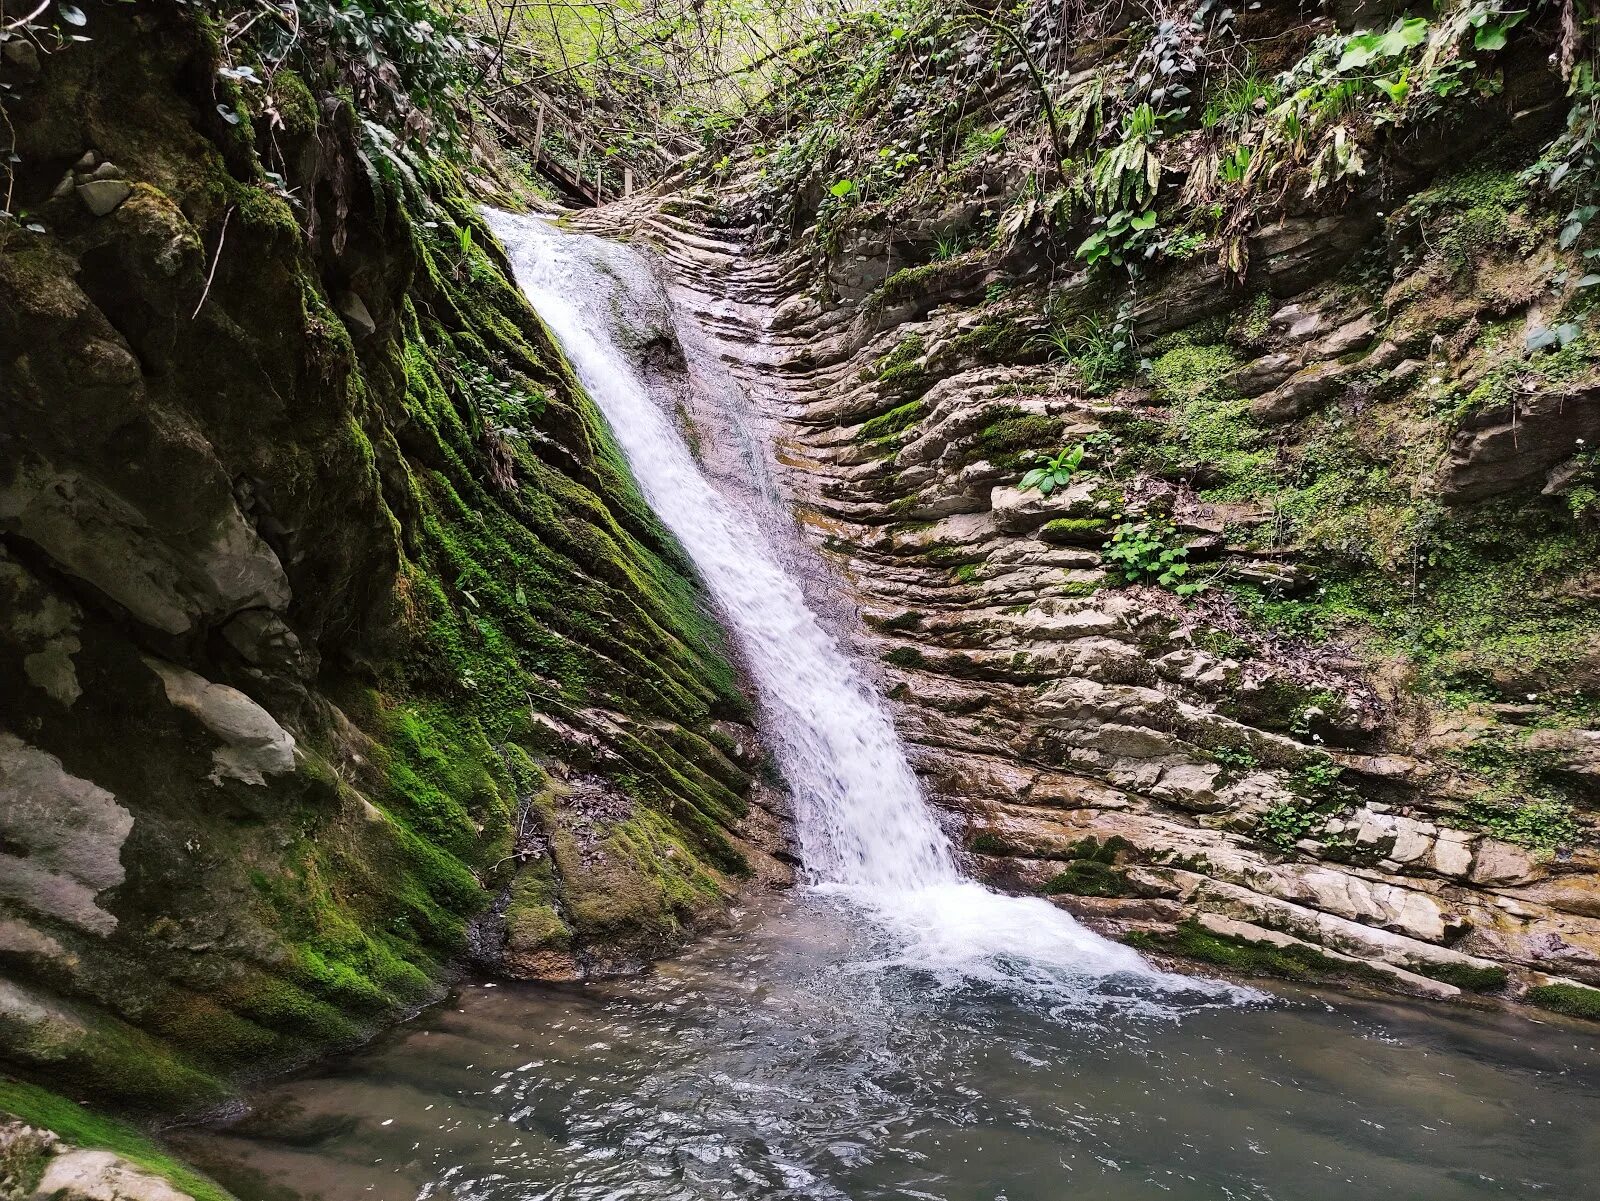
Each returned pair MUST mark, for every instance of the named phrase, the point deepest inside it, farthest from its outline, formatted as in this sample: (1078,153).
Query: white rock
(84,1175)
(254,744)
(69,832)
(101,196)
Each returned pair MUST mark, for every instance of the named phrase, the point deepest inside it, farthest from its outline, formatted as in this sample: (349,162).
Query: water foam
(865,831)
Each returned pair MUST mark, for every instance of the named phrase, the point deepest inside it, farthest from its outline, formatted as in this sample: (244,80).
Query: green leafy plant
(1363,49)
(506,408)
(1122,238)
(1055,473)
(1128,175)
(1540,823)
(1150,551)
(1287,822)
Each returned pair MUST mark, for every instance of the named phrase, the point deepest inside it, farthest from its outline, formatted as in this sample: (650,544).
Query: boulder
(254,745)
(102,196)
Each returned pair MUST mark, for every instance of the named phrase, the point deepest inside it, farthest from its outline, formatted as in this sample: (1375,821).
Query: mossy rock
(1087,878)
(1574,1000)
(81,1127)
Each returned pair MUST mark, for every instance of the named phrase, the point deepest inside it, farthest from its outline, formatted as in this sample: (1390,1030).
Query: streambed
(795,1057)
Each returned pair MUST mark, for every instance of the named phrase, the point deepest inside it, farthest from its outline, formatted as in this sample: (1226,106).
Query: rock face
(337,648)
(1162,765)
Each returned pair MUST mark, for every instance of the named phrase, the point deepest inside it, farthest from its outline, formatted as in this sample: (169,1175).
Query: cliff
(339,647)
(1292,665)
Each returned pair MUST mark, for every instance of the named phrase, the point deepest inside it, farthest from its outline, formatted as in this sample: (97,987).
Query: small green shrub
(1287,822)
(1149,552)
(1540,823)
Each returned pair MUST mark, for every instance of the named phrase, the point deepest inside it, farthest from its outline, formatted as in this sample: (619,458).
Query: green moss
(1497,602)
(1294,962)
(997,341)
(904,656)
(1465,976)
(926,279)
(1076,530)
(108,1059)
(77,1125)
(987,842)
(909,620)
(294,103)
(1088,878)
(1210,424)
(1007,431)
(1481,232)
(900,365)
(1574,1000)
(895,421)
(1252,322)
(533,916)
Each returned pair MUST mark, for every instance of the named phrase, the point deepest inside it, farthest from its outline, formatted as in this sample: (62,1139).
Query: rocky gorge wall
(339,649)
(1351,737)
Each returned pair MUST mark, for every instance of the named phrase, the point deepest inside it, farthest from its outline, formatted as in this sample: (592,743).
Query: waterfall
(865,830)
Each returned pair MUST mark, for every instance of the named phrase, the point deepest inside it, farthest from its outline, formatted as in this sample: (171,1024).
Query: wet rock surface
(1052,713)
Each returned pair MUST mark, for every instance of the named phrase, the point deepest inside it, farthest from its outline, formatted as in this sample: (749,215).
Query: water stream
(866,833)
(890,1030)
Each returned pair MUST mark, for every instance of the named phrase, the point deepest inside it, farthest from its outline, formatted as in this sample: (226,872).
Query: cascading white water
(864,827)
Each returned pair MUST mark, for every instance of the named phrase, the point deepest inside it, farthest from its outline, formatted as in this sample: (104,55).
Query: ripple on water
(769,1063)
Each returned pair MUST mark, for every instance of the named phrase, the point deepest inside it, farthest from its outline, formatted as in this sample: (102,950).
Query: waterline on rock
(866,833)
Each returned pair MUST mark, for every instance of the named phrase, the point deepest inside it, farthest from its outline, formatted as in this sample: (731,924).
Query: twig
(21,21)
(215,259)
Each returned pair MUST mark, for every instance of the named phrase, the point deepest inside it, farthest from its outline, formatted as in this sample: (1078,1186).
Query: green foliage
(408,63)
(1125,178)
(1541,823)
(1233,106)
(1318,778)
(1492,596)
(1574,1000)
(1122,238)
(1570,165)
(1055,473)
(505,406)
(1287,822)
(1237,759)
(1149,551)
